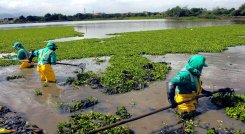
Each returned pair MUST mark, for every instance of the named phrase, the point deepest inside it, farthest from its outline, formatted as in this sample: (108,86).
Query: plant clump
(122,112)
(125,74)
(83,123)
(234,105)
(85,78)
(78,105)
(12,77)
(38,92)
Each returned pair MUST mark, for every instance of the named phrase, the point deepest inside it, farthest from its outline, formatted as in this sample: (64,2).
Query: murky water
(2,55)
(225,69)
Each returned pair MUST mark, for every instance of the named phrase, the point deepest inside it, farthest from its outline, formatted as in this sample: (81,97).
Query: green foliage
(189,126)
(83,123)
(212,131)
(128,73)
(45,84)
(32,38)
(77,105)
(12,77)
(122,112)
(234,105)
(38,92)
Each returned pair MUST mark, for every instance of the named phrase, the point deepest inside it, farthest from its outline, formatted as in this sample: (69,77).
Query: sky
(71,7)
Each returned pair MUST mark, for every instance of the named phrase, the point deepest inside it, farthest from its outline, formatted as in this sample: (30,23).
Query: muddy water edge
(225,69)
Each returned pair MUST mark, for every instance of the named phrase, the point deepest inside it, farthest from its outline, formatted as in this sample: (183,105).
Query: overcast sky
(71,7)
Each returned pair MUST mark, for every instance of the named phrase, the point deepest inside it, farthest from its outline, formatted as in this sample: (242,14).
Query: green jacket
(22,54)
(45,56)
(187,78)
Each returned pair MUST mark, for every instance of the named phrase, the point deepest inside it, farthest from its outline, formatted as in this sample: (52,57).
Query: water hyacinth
(83,123)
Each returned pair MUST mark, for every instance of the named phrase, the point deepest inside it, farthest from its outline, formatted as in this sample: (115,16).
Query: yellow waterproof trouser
(188,106)
(25,64)
(46,73)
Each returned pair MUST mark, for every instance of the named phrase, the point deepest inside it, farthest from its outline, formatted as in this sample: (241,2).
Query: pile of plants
(38,92)
(12,77)
(78,105)
(123,75)
(123,113)
(11,122)
(83,123)
(85,78)
(234,104)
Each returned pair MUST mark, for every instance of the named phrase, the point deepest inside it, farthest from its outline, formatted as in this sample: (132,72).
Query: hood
(18,45)
(195,64)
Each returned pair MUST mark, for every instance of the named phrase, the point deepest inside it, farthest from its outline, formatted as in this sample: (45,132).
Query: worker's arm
(171,93)
(53,58)
(32,55)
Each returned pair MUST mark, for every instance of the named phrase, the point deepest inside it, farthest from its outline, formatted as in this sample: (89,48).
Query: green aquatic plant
(212,131)
(12,77)
(45,84)
(78,105)
(122,112)
(234,105)
(189,126)
(83,123)
(38,92)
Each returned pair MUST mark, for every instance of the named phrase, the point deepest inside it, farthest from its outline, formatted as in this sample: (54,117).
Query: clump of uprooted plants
(12,77)
(234,104)
(123,75)
(123,113)
(83,123)
(78,105)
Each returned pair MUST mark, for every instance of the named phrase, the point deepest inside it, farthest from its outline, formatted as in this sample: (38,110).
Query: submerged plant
(38,92)
(122,112)
(78,105)
(12,77)
(83,123)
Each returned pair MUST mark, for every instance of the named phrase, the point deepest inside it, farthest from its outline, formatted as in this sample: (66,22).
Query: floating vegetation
(12,77)
(78,105)
(85,78)
(122,112)
(45,84)
(234,105)
(38,92)
(125,74)
(83,123)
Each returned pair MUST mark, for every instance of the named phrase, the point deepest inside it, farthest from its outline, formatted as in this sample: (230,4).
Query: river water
(225,69)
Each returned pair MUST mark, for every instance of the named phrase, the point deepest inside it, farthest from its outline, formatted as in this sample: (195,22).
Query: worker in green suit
(22,56)
(187,84)
(46,58)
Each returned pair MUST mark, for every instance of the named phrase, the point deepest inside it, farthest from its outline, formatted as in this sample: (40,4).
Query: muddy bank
(14,123)
(225,70)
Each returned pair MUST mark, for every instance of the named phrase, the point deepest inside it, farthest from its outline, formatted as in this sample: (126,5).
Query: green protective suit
(187,78)
(22,52)
(45,56)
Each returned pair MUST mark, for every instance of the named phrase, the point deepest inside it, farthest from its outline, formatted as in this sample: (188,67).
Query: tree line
(173,12)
